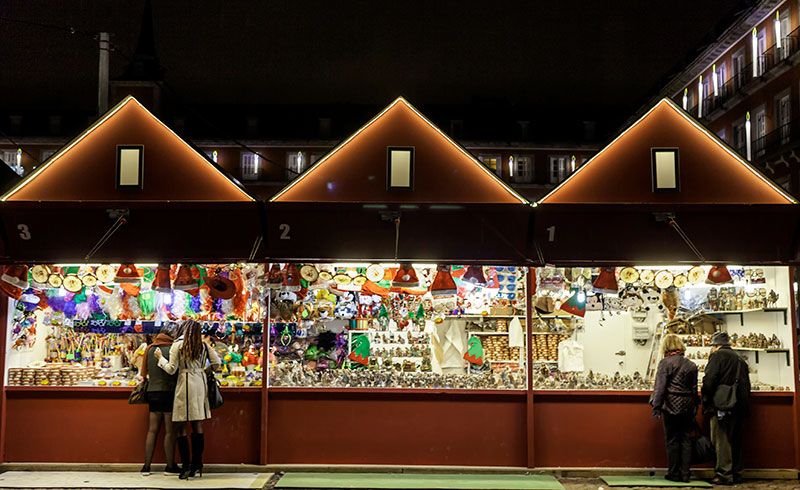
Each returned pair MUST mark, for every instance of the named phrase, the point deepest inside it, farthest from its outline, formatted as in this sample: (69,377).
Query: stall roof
(709,172)
(356,170)
(86,169)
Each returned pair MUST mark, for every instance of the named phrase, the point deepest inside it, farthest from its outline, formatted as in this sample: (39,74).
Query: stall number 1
(285,231)
(551,233)
(24,232)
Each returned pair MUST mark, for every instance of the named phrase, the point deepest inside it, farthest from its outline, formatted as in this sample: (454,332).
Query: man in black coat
(726,368)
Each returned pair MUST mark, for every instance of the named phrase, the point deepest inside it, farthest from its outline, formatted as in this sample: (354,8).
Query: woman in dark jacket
(160,394)
(675,400)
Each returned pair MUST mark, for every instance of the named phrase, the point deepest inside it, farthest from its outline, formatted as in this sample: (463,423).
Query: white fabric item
(452,335)
(516,337)
(570,356)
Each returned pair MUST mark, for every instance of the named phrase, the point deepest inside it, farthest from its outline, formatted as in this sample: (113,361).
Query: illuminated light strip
(378,116)
(96,125)
(688,118)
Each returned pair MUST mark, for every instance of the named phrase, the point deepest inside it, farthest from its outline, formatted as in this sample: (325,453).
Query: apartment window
(783,21)
(523,169)
(665,169)
(558,168)
(722,78)
(722,134)
(400,168)
(759,131)
(212,155)
(249,166)
(783,115)
(739,136)
(761,48)
(493,162)
(295,164)
(13,159)
(739,72)
(130,166)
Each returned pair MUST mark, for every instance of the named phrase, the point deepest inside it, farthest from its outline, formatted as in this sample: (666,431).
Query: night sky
(601,59)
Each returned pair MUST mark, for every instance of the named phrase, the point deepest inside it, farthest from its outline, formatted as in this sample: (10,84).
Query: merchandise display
(89,325)
(612,322)
(398,325)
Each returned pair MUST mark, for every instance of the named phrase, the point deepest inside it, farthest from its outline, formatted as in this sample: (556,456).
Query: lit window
(666,176)
(212,155)
(400,171)
(493,162)
(249,165)
(130,166)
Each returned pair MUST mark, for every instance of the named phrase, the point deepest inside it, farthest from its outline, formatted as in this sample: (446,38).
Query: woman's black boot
(183,450)
(198,444)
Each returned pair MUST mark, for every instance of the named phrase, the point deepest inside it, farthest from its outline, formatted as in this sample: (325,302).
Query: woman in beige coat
(189,356)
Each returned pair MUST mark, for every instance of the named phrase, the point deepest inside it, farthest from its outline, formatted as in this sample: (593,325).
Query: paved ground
(595,484)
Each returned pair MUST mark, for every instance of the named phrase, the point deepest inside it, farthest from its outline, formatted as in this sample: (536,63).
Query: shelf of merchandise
(544,361)
(476,332)
(784,311)
(112,389)
(756,350)
(488,317)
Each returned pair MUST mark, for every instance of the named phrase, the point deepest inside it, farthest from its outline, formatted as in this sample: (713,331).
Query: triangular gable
(709,171)
(86,168)
(356,170)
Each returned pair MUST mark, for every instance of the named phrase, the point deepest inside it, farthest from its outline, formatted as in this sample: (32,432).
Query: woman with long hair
(675,399)
(160,396)
(190,356)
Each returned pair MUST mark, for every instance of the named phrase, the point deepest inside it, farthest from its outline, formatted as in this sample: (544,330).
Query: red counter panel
(98,426)
(336,427)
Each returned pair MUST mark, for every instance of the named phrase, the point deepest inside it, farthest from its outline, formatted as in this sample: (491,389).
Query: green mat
(417,480)
(650,481)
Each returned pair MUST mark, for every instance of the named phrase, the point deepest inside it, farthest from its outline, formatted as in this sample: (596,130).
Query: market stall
(107,241)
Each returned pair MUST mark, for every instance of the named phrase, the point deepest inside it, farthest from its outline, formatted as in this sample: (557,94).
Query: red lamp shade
(161,282)
(291,278)
(475,275)
(443,283)
(719,274)
(606,282)
(275,277)
(16,275)
(127,273)
(184,280)
(406,277)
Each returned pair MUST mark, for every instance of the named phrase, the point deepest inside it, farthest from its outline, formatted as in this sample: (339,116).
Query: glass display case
(397,326)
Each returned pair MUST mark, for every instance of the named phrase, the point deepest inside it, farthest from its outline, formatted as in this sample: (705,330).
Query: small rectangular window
(249,166)
(130,163)
(665,169)
(400,170)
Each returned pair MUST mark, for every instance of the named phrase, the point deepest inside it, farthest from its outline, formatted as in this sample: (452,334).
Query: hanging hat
(220,287)
(545,304)
(184,280)
(161,282)
(40,273)
(16,275)
(406,277)
(105,273)
(291,278)
(475,275)
(443,283)
(606,282)
(719,274)
(127,273)
(72,283)
(574,305)
(275,277)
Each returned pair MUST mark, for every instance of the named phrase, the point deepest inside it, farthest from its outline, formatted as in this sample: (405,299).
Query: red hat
(443,283)
(291,278)
(220,287)
(16,275)
(475,275)
(406,277)
(275,280)
(184,280)
(161,281)
(574,305)
(719,274)
(606,282)
(127,273)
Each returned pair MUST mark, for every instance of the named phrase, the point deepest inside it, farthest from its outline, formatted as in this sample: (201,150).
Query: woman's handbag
(139,394)
(214,395)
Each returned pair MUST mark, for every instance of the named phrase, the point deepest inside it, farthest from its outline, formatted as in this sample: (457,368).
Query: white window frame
(739,68)
(761,48)
(295,163)
(739,135)
(783,118)
(558,167)
(786,26)
(249,165)
(523,169)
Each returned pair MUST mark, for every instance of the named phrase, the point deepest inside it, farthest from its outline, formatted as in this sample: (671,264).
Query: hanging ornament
(474,354)
(406,276)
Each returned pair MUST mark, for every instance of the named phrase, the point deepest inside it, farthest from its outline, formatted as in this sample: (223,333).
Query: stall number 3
(285,231)
(551,233)
(24,232)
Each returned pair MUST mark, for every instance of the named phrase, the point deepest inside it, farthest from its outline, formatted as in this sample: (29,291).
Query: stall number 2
(24,232)
(285,231)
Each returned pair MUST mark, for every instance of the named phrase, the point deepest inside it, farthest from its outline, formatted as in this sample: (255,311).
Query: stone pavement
(596,483)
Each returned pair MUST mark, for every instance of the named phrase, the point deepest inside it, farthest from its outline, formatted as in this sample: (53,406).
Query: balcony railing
(774,140)
(740,79)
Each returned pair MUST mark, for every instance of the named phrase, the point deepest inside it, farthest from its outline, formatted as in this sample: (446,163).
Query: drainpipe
(102,76)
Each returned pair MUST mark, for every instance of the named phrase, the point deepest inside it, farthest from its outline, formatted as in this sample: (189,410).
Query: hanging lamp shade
(291,278)
(16,275)
(161,282)
(127,273)
(606,282)
(406,276)
(576,304)
(475,275)
(443,283)
(719,274)
(184,279)
(275,276)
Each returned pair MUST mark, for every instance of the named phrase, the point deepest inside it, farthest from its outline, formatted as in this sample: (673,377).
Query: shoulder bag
(139,394)
(725,395)
(214,394)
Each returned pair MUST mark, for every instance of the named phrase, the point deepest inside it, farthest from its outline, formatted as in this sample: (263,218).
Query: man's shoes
(686,479)
(737,479)
(672,478)
(172,470)
(721,481)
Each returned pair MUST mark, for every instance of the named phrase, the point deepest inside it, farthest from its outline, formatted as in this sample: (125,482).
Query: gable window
(558,168)
(400,168)
(665,169)
(295,164)
(249,165)
(130,165)
(493,162)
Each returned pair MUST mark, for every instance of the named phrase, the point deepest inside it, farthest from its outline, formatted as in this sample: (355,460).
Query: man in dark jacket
(726,368)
